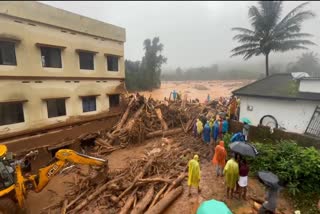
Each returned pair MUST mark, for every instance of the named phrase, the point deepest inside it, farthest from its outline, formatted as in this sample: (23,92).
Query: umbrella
(268,178)
(246,120)
(213,206)
(243,148)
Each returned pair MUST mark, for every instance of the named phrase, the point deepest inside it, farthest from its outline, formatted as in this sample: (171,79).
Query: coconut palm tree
(270,33)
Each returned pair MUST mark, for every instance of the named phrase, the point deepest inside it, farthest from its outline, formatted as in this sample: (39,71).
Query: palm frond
(246,47)
(242,38)
(281,46)
(243,30)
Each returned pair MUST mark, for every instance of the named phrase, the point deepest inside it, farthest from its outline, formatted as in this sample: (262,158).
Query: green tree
(151,63)
(132,74)
(270,33)
(307,62)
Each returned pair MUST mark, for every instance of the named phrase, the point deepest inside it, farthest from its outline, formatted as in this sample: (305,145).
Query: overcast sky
(193,33)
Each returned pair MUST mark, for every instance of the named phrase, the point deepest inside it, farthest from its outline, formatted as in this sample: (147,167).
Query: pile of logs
(150,184)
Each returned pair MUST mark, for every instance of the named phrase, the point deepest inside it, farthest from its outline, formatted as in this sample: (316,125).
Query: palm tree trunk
(267,64)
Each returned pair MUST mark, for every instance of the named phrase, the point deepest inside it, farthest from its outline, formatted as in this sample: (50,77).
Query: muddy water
(197,89)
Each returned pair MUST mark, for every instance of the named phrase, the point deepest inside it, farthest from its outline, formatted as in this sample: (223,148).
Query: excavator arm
(44,175)
(63,156)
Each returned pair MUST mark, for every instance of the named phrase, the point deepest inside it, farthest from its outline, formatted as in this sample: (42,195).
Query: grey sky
(193,33)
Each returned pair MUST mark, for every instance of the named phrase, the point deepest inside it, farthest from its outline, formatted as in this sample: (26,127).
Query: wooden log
(64,206)
(125,115)
(164,133)
(150,180)
(129,202)
(76,199)
(162,121)
(139,176)
(158,196)
(176,182)
(144,202)
(165,201)
(96,193)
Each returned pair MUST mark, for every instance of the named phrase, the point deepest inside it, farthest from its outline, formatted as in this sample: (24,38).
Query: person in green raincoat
(231,174)
(194,173)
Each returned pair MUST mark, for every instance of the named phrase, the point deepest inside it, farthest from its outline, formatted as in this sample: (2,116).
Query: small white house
(282,101)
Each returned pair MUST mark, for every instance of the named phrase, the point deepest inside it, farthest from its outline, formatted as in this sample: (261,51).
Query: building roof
(279,86)
(45,14)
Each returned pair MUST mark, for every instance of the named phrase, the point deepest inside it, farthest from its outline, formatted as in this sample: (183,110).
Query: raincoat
(194,172)
(215,130)
(199,127)
(206,133)
(220,155)
(211,121)
(231,173)
(225,126)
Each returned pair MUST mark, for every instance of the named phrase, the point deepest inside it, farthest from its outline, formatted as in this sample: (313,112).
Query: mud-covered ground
(212,187)
(197,89)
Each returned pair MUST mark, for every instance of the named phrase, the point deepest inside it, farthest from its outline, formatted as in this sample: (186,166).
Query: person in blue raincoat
(206,133)
(215,130)
(225,126)
(237,137)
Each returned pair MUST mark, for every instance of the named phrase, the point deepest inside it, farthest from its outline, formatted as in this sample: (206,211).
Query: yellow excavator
(14,185)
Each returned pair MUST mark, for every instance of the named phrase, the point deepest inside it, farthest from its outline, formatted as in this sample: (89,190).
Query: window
(89,103)
(86,60)
(7,53)
(56,107)
(112,62)
(114,100)
(11,113)
(51,57)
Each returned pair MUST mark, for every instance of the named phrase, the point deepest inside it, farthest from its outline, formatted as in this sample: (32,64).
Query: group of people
(235,171)
(216,127)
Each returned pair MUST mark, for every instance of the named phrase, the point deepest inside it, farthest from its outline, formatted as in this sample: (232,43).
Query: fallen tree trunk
(129,202)
(162,121)
(158,196)
(64,206)
(165,201)
(176,182)
(142,205)
(164,133)
(76,199)
(149,180)
(125,115)
(139,176)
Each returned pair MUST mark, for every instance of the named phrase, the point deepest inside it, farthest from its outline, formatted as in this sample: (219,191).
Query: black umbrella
(268,178)
(243,148)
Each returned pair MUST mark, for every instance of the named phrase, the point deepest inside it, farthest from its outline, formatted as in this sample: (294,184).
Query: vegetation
(270,33)
(145,75)
(307,62)
(298,169)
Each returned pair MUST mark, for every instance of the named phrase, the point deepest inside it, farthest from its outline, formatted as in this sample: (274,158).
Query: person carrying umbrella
(219,158)
(194,173)
(231,174)
(245,131)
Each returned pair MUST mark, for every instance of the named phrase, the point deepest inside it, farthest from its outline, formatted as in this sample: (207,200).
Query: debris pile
(149,184)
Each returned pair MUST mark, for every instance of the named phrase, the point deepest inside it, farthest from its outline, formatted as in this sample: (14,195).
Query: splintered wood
(151,183)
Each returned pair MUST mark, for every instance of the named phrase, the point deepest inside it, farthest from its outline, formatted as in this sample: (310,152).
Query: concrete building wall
(293,115)
(29,24)
(310,85)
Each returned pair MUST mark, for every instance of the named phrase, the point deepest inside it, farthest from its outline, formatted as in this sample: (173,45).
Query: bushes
(298,169)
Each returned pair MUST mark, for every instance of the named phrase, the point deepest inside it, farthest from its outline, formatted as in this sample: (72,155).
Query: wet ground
(212,187)
(197,89)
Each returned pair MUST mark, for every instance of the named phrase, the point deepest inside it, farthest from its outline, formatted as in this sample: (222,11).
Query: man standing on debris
(194,174)
(219,158)
(231,174)
(270,205)
(199,127)
(174,95)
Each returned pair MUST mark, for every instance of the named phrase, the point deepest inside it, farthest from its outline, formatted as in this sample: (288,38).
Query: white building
(280,101)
